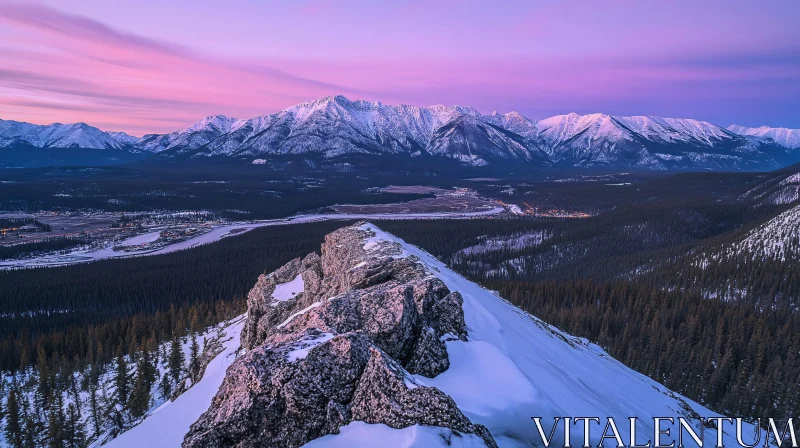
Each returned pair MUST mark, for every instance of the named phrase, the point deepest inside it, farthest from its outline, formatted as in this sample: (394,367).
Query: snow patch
(288,290)
(304,346)
(299,313)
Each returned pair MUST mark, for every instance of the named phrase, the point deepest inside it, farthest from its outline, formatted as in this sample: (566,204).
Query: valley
(108,268)
(598,247)
(403,224)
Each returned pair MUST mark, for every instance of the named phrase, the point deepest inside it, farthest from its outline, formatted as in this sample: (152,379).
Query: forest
(620,279)
(44,245)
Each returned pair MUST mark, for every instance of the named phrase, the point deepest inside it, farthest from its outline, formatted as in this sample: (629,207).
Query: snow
(299,313)
(776,239)
(141,239)
(789,138)
(514,208)
(304,346)
(364,435)
(166,426)
(222,231)
(515,366)
(58,135)
(336,125)
(218,123)
(373,242)
(287,291)
(512,367)
(504,243)
(612,129)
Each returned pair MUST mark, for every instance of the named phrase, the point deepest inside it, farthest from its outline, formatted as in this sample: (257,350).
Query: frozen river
(216,234)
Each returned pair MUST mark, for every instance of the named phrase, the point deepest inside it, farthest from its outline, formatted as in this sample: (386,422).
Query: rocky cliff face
(333,339)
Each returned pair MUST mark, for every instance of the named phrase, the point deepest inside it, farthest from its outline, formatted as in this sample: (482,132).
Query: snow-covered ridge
(789,138)
(507,368)
(777,239)
(336,125)
(57,135)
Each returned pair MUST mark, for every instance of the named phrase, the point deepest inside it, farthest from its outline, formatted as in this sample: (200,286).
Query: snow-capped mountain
(335,126)
(650,141)
(378,343)
(789,138)
(195,136)
(57,135)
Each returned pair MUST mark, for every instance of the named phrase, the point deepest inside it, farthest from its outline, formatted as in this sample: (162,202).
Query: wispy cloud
(88,62)
(546,58)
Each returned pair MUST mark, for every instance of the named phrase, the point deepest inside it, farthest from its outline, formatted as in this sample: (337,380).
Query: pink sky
(154,66)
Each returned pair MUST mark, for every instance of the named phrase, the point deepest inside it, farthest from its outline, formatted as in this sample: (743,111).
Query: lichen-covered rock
(342,350)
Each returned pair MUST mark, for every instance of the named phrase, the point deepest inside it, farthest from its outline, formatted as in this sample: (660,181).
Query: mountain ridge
(375,331)
(335,125)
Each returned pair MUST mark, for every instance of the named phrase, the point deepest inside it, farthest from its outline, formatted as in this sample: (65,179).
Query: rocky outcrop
(343,349)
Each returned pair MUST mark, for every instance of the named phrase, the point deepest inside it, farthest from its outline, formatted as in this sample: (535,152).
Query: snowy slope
(648,141)
(776,239)
(779,190)
(195,136)
(789,138)
(166,425)
(57,135)
(515,366)
(512,367)
(335,125)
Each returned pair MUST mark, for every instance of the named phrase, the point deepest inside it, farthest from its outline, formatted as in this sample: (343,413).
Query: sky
(157,66)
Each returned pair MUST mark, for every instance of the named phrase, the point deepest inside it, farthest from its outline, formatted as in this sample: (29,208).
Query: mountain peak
(336,125)
(215,122)
(789,138)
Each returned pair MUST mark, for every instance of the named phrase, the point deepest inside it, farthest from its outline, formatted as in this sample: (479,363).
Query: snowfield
(141,239)
(513,367)
(355,434)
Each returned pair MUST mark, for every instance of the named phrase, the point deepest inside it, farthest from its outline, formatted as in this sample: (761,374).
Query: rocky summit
(335,338)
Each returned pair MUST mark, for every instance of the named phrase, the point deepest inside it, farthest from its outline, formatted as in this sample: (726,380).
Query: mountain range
(336,126)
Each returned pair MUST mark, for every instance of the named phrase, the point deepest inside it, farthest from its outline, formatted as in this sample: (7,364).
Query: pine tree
(145,378)
(94,405)
(194,359)
(165,386)
(140,397)
(176,360)
(121,380)
(45,379)
(13,429)
(147,365)
(31,434)
(2,394)
(75,432)
(55,428)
